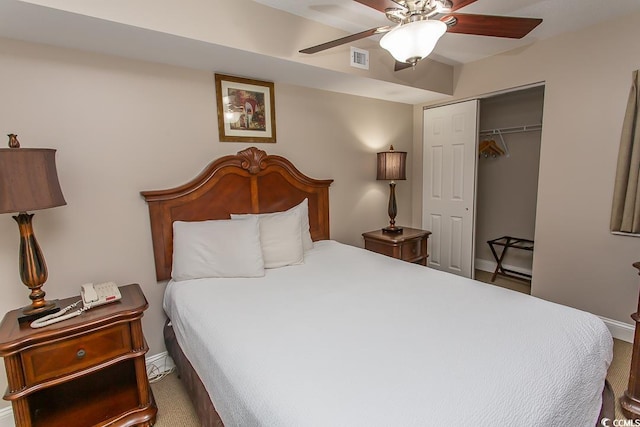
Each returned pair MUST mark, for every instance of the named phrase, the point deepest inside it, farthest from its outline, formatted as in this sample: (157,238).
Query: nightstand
(86,371)
(409,245)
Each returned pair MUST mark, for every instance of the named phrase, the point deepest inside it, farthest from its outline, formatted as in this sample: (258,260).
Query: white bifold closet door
(449,176)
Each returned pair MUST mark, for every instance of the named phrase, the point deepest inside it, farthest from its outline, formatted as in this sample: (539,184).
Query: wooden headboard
(249,182)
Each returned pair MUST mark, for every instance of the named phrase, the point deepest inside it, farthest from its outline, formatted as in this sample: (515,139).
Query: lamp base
(29,314)
(392,229)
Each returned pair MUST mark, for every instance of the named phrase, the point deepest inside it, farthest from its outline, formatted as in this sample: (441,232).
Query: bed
(334,337)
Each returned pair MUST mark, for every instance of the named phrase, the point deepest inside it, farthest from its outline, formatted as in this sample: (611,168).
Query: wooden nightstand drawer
(392,251)
(61,358)
(86,371)
(412,250)
(409,245)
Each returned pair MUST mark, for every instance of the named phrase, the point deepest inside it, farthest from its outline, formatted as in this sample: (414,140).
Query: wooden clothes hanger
(490,148)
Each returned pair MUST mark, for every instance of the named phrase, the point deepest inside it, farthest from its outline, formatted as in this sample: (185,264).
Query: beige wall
(122,126)
(577,261)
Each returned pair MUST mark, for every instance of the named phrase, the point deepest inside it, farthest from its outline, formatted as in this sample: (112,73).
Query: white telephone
(92,296)
(95,295)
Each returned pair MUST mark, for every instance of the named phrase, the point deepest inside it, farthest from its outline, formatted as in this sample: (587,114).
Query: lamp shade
(29,180)
(413,41)
(392,165)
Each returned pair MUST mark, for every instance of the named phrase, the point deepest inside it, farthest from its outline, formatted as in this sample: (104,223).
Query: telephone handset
(92,296)
(95,295)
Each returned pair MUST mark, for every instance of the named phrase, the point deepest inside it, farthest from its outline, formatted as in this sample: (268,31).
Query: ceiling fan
(421,23)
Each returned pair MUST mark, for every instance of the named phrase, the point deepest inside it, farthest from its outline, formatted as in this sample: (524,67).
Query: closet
(480,183)
(507,182)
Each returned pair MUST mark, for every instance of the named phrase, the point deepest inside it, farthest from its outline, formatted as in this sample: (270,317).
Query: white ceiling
(559,16)
(24,21)
(33,23)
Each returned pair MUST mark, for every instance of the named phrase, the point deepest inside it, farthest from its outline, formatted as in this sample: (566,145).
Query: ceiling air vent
(359,58)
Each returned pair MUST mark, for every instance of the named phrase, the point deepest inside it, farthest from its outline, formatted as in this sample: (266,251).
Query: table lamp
(28,182)
(392,166)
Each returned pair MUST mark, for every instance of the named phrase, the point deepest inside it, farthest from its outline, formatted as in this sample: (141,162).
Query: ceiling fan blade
(488,25)
(401,66)
(382,5)
(344,40)
(458,4)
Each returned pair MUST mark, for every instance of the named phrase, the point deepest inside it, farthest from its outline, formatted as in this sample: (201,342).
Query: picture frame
(246,109)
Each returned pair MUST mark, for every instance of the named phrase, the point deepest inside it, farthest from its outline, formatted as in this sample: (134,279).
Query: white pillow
(303,207)
(280,237)
(217,248)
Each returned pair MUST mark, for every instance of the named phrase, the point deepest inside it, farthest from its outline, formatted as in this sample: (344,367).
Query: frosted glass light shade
(413,41)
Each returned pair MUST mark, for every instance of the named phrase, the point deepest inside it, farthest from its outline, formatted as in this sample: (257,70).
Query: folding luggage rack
(509,242)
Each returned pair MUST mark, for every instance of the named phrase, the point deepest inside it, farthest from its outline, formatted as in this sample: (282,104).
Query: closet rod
(515,129)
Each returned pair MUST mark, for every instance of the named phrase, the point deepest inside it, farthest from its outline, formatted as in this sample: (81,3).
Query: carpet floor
(174,407)
(504,282)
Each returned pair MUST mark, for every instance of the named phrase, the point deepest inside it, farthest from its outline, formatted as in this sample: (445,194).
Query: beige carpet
(174,406)
(175,409)
(504,282)
(618,374)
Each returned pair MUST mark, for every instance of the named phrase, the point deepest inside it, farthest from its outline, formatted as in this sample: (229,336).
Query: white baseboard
(162,361)
(619,330)
(156,364)
(6,417)
(490,266)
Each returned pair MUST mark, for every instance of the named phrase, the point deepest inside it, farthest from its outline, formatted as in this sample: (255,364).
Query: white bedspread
(353,338)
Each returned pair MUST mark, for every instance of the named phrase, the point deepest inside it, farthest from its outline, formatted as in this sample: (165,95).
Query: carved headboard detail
(250,181)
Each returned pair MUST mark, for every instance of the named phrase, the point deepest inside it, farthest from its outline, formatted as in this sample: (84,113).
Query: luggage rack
(509,242)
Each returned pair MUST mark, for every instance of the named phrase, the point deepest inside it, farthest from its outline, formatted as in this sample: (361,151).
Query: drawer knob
(81,353)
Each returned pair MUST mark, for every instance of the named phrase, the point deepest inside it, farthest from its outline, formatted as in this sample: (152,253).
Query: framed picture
(246,110)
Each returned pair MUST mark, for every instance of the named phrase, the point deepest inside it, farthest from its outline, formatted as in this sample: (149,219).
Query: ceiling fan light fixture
(413,41)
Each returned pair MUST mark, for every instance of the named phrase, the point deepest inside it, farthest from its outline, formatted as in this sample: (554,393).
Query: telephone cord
(60,315)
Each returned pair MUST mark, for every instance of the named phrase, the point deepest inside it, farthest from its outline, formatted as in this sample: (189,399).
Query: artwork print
(246,110)
(251,110)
